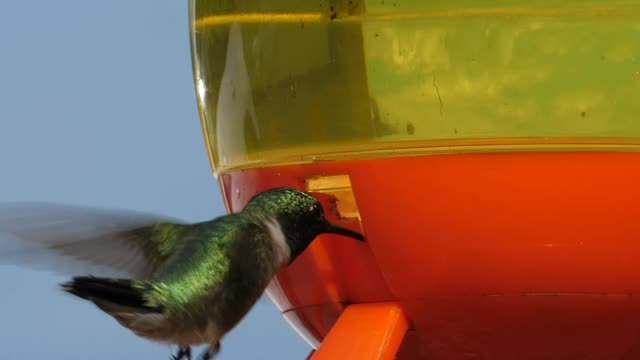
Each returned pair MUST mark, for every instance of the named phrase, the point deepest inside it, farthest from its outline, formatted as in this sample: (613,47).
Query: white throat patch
(283,253)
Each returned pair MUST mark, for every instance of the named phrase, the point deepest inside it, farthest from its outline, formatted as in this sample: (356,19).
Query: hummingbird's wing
(81,240)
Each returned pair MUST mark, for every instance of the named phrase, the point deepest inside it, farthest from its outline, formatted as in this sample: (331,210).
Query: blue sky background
(97,107)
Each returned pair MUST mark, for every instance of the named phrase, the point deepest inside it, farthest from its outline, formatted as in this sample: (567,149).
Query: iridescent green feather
(165,236)
(288,201)
(203,266)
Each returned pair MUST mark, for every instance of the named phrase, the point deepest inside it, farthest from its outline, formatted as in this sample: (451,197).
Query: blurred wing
(81,240)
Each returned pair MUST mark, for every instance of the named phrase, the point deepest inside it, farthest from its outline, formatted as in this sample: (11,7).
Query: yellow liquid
(294,80)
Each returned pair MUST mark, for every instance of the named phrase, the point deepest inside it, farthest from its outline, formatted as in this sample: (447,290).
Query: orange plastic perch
(365,332)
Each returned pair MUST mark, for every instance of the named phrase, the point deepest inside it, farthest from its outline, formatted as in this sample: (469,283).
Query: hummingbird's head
(299,215)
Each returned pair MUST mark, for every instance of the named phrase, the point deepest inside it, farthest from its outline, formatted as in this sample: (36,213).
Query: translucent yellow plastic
(294,80)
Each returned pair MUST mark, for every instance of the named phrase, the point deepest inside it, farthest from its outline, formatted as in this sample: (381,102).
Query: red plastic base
(491,256)
(365,332)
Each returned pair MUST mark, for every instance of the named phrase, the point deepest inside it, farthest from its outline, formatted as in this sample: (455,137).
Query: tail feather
(115,291)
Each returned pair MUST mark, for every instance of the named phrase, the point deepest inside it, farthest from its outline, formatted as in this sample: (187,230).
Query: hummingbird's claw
(184,351)
(211,352)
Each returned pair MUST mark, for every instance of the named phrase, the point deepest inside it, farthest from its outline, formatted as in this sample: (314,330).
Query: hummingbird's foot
(211,352)
(184,351)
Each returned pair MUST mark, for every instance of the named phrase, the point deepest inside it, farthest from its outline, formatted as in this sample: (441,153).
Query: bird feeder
(487,151)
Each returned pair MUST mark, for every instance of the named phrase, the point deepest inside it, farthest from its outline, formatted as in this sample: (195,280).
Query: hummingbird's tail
(123,299)
(119,292)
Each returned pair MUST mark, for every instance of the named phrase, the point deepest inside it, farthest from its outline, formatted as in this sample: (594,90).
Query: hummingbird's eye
(316,210)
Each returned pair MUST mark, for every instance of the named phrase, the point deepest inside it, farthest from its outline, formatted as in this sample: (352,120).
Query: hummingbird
(186,284)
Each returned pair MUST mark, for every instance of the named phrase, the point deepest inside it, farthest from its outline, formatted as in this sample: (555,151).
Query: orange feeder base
(488,256)
(365,332)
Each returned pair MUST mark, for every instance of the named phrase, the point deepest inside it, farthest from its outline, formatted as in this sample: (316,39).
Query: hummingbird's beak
(335,229)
